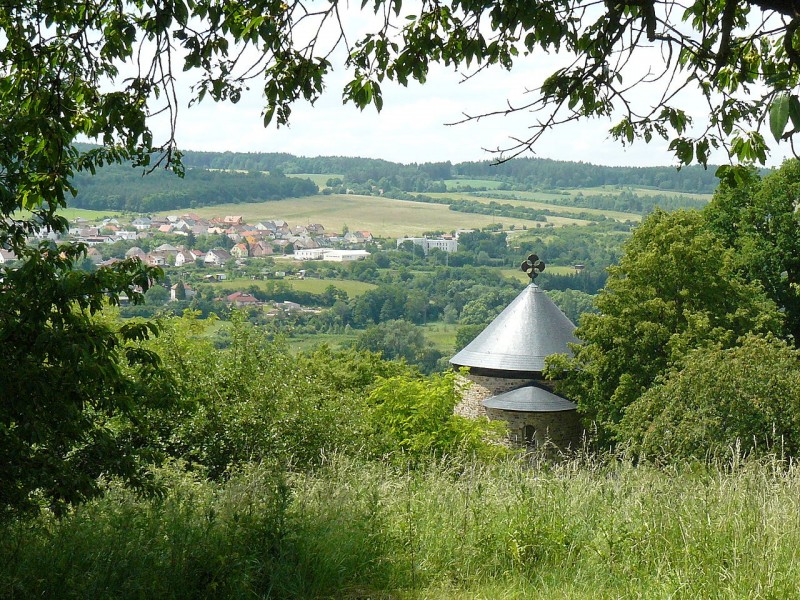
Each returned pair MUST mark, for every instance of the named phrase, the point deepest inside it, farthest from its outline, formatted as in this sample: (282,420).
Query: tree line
(120,187)
(417,177)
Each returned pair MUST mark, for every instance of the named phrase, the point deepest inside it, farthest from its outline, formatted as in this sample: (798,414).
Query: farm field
(529,199)
(639,191)
(383,217)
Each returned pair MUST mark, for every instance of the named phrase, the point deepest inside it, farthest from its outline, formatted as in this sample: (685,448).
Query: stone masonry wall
(476,388)
(561,429)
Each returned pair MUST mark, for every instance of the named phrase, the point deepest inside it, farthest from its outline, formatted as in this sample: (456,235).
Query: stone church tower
(505,363)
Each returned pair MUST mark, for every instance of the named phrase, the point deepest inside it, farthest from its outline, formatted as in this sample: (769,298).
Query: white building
(330,254)
(445,245)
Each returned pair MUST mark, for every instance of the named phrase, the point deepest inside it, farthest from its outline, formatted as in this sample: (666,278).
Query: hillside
(526,188)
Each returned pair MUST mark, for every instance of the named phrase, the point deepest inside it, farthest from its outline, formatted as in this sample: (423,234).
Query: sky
(416,123)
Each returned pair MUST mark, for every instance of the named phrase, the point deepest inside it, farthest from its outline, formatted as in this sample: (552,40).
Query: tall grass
(580,529)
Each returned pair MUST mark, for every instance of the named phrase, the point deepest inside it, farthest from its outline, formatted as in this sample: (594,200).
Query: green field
(529,200)
(73,213)
(308,341)
(314,286)
(442,336)
(639,191)
(354,530)
(383,217)
(489,184)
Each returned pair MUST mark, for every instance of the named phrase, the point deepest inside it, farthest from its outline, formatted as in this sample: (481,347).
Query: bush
(412,421)
(746,397)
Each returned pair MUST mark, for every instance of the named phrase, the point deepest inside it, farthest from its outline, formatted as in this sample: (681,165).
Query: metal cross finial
(533,266)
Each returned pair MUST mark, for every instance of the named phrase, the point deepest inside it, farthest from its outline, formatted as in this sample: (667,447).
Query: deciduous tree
(759,219)
(745,398)
(674,290)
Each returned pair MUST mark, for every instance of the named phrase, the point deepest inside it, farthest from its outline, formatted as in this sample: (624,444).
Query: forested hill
(222,177)
(119,187)
(520,172)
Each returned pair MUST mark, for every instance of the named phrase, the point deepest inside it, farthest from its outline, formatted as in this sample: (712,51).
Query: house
(242,299)
(188,257)
(125,235)
(142,223)
(155,259)
(261,249)
(240,251)
(93,254)
(303,242)
(135,252)
(288,306)
(167,249)
(266,226)
(188,291)
(358,237)
(6,256)
(233,220)
(217,256)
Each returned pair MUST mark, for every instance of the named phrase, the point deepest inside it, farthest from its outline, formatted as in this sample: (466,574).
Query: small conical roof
(531,328)
(530,398)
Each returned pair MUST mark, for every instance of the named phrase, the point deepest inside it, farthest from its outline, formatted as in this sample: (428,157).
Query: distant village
(251,240)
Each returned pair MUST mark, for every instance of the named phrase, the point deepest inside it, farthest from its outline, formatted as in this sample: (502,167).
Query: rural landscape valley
(289,426)
(430,300)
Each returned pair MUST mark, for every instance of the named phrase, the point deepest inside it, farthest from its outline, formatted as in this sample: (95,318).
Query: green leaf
(779,116)
(794,111)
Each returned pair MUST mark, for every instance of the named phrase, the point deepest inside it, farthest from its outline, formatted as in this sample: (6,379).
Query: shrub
(747,396)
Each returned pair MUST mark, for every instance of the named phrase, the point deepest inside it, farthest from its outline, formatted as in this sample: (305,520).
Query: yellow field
(383,217)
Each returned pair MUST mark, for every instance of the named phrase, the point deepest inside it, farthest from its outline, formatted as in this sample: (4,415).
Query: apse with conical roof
(530,329)
(505,363)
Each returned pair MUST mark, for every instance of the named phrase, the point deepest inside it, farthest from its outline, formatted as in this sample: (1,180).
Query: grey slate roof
(530,398)
(528,330)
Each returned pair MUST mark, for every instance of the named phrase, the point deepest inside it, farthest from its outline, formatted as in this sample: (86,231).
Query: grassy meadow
(489,184)
(528,200)
(383,217)
(314,286)
(600,529)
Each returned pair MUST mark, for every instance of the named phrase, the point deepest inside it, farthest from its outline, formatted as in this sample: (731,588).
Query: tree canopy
(675,289)
(102,71)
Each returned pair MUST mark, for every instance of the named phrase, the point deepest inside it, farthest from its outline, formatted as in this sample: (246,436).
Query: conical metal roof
(530,398)
(528,330)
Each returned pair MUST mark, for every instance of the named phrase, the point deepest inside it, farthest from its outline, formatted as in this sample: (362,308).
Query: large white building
(445,245)
(330,254)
